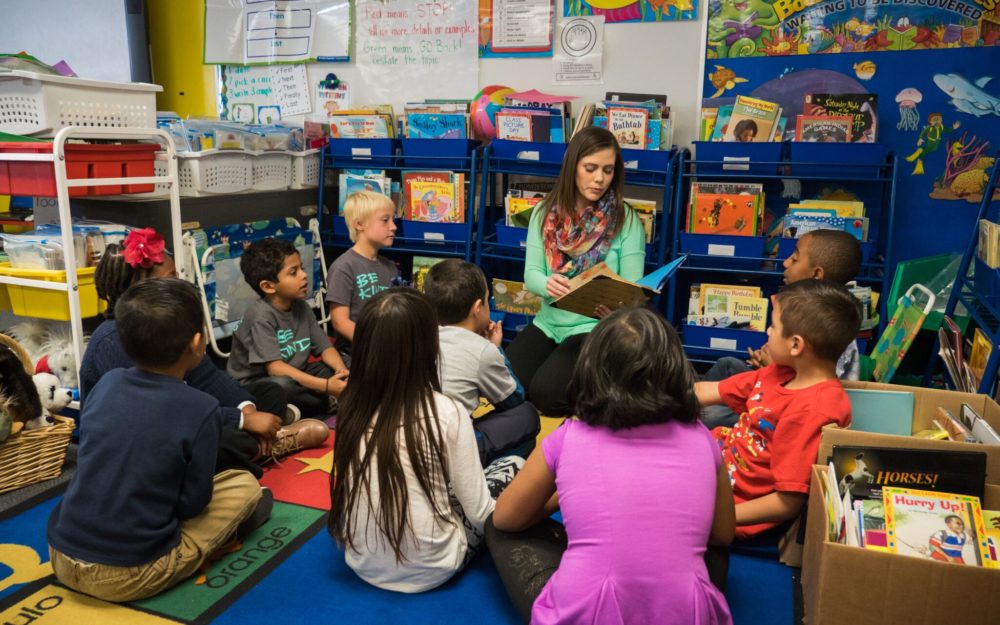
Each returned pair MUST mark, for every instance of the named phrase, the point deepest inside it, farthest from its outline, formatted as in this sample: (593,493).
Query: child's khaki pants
(234,497)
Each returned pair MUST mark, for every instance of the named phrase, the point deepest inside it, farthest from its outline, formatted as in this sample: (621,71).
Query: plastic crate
(438,153)
(434,231)
(39,104)
(856,160)
(646,160)
(722,245)
(511,236)
(214,172)
(363,149)
(529,156)
(272,171)
(28,301)
(305,169)
(38,178)
(723,338)
(725,157)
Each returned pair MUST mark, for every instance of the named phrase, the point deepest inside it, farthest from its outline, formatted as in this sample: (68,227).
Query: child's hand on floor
(262,424)
(336,383)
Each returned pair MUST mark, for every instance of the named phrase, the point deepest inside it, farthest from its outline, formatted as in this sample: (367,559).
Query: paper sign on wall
(579,52)
(263,95)
(421,48)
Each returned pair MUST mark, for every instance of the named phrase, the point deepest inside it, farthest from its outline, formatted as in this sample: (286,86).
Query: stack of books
(434,196)
(745,120)
(435,119)
(534,116)
(728,208)
(838,117)
(913,502)
(727,306)
(808,215)
(365,122)
(646,210)
(989,243)
(520,201)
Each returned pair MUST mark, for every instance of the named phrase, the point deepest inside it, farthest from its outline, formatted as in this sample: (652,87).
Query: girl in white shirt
(409,499)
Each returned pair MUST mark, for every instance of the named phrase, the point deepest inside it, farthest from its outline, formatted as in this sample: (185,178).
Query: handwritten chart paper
(263,94)
(276,31)
(515,27)
(424,49)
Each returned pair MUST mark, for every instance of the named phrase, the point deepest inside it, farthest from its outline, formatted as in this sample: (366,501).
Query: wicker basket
(32,456)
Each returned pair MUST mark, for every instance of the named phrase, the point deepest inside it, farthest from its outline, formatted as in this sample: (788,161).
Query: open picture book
(600,285)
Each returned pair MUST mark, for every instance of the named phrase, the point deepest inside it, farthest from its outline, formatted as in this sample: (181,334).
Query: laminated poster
(579,54)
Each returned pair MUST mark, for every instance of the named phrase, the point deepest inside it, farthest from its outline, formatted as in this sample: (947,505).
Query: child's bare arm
(529,498)
(282,368)
(707,393)
(331,358)
(771,508)
(724,521)
(341,318)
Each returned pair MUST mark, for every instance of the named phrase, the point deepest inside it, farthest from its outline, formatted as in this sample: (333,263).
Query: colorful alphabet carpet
(290,571)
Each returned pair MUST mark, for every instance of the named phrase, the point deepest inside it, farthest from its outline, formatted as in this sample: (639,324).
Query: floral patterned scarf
(575,243)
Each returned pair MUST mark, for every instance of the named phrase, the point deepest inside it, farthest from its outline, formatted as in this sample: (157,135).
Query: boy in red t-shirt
(784,406)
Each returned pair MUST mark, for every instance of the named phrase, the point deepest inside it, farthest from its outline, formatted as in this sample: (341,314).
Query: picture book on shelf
(752,119)
(721,122)
(714,298)
(991,520)
(752,309)
(628,125)
(865,471)
(434,202)
(936,526)
(527,125)
(862,108)
(600,285)
(823,129)
(436,126)
(519,210)
(724,214)
(409,177)
(421,266)
(352,180)
(794,226)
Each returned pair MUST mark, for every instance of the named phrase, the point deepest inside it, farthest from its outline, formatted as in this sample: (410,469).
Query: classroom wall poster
(262,94)
(579,55)
(424,49)
(743,28)
(509,28)
(255,32)
(615,11)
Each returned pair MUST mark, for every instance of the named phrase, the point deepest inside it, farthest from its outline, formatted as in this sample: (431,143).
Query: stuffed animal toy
(53,398)
(50,348)
(18,395)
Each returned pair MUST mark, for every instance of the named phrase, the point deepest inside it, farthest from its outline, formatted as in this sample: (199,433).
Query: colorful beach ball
(484,110)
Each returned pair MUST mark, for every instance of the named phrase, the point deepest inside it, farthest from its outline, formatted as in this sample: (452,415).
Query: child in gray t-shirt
(279,332)
(359,273)
(471,363)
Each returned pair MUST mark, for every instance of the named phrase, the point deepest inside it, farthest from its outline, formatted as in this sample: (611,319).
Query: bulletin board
(275,31)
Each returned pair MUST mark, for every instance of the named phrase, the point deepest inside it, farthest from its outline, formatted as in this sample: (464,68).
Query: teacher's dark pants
(544,367)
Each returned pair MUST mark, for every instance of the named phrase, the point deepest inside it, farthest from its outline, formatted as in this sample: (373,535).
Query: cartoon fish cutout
(864,70)
(968,97)
(723,79)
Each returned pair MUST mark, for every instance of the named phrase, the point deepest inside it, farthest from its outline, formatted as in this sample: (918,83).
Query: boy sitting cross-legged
(143,510)
(471,362)
(784,406)
(279,332)
(360,273)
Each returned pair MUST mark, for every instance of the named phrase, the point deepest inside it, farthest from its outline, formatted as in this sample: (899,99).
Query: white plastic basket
(272,171)
(39,104)
(305,169)
(214,171)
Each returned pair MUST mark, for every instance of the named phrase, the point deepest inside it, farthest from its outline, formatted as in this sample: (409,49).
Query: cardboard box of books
(850,584)
(926,404)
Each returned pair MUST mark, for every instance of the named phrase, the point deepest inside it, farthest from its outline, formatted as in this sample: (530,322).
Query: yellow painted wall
(176,41)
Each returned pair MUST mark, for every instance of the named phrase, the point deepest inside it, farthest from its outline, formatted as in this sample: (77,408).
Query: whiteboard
(276,31)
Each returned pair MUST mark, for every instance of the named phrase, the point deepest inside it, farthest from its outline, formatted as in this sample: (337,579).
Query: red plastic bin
(82,161)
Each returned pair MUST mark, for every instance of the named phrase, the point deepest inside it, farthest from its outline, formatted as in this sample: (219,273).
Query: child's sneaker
(292,414)
(303,434)
(259,516)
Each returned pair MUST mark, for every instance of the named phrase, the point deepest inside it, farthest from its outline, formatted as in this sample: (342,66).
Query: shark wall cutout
(966,96)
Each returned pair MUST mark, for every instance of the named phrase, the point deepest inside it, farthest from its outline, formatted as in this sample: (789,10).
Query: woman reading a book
(584,221)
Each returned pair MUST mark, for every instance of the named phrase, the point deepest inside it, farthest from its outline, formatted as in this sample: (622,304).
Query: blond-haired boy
(360,272)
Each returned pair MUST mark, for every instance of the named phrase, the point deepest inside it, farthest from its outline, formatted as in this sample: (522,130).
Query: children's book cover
(862,108)
(522,125)
(991,520)
(519,211)
(724,214)
(513,297)
(359,127)
(410,177)
(721,294)
(752,309)
(436,126)
(935,526)
(821,129)
(795,226)
(752,119)
(433,202)
(352,180)
(628,125)
(721,123)
(865,471)
(843,208)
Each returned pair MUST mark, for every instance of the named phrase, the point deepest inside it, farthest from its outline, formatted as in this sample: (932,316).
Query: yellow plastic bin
(29,301)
